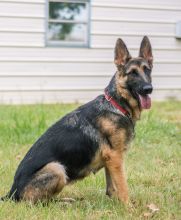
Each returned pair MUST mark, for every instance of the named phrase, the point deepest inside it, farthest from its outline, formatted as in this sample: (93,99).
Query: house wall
(31,72)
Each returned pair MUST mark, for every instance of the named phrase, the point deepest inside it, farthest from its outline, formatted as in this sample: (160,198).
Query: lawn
(153,166)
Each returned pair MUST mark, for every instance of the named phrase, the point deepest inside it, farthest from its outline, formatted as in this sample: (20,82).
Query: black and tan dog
(94,136)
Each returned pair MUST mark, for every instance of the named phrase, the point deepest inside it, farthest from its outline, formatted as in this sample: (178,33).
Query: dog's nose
(147,89)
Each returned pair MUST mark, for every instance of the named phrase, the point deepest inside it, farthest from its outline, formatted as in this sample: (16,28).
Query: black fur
(74,140)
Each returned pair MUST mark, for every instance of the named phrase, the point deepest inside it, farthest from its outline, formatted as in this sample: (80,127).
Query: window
(68,23)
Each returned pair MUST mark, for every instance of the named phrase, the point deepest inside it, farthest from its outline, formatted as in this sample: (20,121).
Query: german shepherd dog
(94,136)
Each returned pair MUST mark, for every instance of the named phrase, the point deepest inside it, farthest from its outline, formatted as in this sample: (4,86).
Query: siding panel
(21,39)
(8,53)
(126,26)
(155,4)
(25,1)
(14,97)
(157,42)
(139,14)
(21,9)
(79,82)
(21,23)
(54,67)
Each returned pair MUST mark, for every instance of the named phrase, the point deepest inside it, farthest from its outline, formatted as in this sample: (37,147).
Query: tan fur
(142,72)
(106,125)
(95,165)
(113,160)
(118,142)
(47,182)
(118,137)
(122,91)
(132,67)
(97,162)
(139,70)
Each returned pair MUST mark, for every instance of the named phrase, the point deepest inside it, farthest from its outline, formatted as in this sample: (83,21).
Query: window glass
(68,23)
(68,11)
(67,32)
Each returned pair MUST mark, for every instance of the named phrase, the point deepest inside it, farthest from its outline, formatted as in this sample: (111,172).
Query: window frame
(86,43)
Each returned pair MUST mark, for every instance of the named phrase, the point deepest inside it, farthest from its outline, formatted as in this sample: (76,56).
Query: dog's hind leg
(46,183)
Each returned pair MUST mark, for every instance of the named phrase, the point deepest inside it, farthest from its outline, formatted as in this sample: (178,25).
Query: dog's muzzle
(144,98)
(147,89)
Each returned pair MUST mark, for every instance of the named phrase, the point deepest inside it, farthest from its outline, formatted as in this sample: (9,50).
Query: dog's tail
(8,196)
(4,198)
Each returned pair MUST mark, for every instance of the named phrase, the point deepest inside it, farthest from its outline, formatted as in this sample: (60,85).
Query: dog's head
(135,73)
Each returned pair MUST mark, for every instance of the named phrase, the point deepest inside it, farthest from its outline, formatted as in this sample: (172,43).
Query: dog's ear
(146,50)
(121,53)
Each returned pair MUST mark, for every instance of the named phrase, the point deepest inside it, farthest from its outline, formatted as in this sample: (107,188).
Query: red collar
(115,104)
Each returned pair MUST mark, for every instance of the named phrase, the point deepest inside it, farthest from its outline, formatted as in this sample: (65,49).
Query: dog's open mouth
(145,101)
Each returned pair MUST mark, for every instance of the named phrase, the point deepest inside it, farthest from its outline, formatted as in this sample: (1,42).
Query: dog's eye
(146,70)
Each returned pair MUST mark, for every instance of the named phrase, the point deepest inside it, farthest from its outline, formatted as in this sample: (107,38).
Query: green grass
(153,166)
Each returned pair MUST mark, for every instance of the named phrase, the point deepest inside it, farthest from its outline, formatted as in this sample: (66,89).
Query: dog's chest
(117,130)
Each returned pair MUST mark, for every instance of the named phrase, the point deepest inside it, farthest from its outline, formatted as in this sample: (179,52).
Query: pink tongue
(145,101)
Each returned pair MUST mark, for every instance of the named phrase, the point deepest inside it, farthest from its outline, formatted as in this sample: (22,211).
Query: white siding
(31,72)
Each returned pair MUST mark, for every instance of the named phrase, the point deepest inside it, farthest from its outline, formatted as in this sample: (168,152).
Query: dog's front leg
(115,170)
(109,185)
